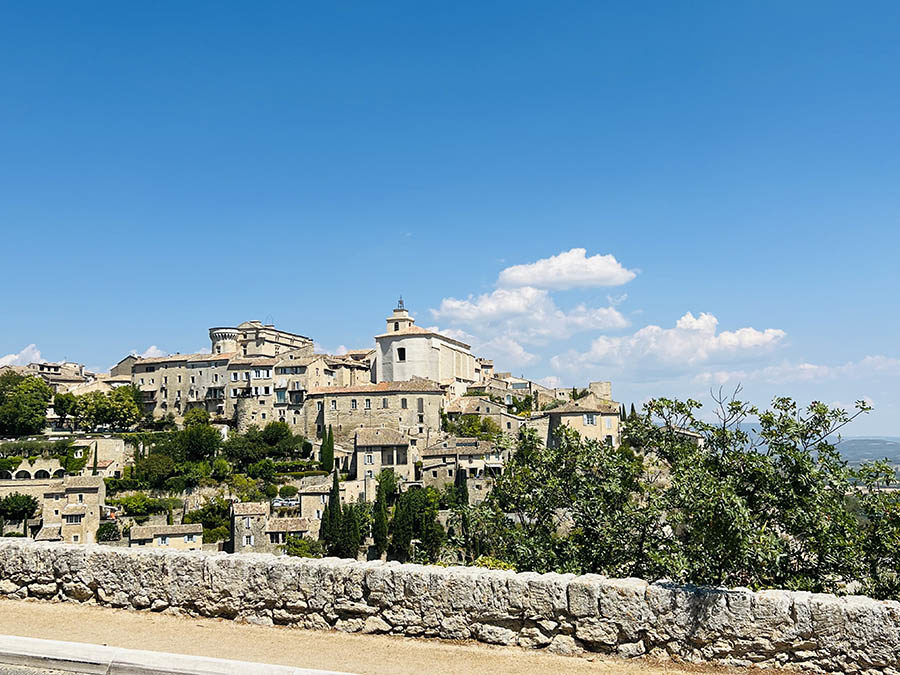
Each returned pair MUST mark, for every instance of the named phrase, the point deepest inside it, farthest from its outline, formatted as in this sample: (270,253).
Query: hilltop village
(418,405)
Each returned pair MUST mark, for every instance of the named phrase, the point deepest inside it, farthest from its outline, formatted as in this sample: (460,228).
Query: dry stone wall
(559,612)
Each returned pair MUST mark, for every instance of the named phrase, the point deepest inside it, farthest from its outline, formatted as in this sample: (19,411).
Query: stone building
(235,380)
(255,530)
(72,509)
(590,416)
(185,537)
(481,460)
(484,408)
(406,351)
(412,407)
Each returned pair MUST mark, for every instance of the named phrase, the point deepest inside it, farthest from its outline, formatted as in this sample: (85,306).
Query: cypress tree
(328,450)
(633,414)
(94,472)
(380,522)
(350,536)
(622,415)
(330,531)
(460,483)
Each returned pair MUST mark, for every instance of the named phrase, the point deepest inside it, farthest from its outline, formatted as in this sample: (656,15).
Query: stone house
(591,416)
(412,408)
(481,460)
(185,537)
(255,530)
(485,408)
(72,509)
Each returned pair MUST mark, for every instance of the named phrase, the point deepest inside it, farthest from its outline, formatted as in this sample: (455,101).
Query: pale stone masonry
(563,613)
(255,530)
(184,537)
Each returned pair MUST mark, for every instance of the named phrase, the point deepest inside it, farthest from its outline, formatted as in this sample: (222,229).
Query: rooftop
(413,386)
(287,525)
(150,531)
(250,508)
(587,404)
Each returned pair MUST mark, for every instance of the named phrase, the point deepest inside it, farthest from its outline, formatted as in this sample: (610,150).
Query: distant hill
(857,449)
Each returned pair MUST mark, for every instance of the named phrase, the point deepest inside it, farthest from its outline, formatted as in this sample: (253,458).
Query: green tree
(461,487)
(287,491)
(64,406)
(221,469)
(330,529)
(415,520)
(276,432)
(94,469)
(93,410)
(108,532)
(17,507)
(195,417)
(124,411)
(328,450)
(386,480)
(24,407)
(350,535)
(199,442)
(154,469)
(302,547)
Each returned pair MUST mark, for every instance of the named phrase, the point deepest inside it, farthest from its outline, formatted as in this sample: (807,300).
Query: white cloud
(30,354)
(151,352)
(319,348)
(551,381)
(569,269)
(505,350)
(692,342)
(787,372)
(526,313)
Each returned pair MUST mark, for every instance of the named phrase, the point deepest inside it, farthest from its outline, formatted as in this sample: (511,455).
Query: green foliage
(263,470)
(23,405)
(221,469)
(329,530)
(108,532)
(216,534)
(196,417)
(287,491)
(141,505)
(473,426)
(461,488)
(154,469)
(779,509)
(415,518)
(521,406)
(492,563)
(327,453)
(275,433)
(198,442)
(17,508)
(64,406)
(10,463)
(303,548)
(214,514)
(351,532)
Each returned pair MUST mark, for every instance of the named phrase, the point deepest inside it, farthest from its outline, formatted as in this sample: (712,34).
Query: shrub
(492,563)
(216,534)
(108,532)
(287,491)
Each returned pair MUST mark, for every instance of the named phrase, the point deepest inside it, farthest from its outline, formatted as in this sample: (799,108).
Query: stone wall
(562,613)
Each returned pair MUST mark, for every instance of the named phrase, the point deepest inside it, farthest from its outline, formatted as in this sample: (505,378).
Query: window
(189,539)
(74,519)
(434,474)
(403,403)
(509,425)
(368,404)
(421,419)
(334,404)
(318,514)
(401,353)
(179,379)
(420,404)
(247,522)
(165,380)
(75,538)
(163,540)
(280,396)
(396,325)
(264,415)
(609,422)
(248,540)
(319,406)
(193,379)
(352,404)
(369,474)
(142,380)
(449,472)
(266,391)
(384,403)
(216,377)
(590,419)
(80,498)
(369,459)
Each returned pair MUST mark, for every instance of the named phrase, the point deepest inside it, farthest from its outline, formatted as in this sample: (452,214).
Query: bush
(270,491)
(13,534)
(287,491)
(108,532)
(302,547)
(492,563)
(216,534)
(303,474)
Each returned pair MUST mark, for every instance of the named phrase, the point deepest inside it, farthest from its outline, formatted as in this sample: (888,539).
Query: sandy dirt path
(353,653)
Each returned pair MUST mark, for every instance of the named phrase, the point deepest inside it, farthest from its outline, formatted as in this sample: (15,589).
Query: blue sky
(174,166)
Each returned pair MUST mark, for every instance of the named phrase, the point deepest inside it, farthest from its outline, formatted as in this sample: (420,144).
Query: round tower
(224,340)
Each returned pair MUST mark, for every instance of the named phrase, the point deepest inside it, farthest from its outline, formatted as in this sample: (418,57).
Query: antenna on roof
(400,303)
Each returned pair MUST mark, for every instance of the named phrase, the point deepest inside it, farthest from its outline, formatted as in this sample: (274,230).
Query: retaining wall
(559,612)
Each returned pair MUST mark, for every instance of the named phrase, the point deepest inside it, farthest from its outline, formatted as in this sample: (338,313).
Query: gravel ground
(331,650)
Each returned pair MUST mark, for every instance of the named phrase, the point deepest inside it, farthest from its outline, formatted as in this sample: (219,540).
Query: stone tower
(224,340)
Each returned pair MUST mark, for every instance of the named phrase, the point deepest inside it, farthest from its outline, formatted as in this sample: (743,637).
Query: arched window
(396,325)
(23,475)
(42,473)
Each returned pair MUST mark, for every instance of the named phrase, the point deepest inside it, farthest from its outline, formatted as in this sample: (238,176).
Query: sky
(674,197)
